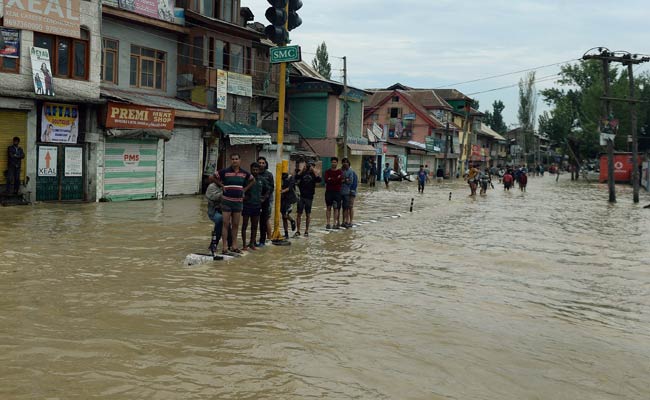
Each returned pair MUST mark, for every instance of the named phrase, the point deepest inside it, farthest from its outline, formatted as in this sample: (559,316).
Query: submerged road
(537,295)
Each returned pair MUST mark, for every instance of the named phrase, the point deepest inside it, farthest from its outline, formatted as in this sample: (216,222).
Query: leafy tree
(527,109)
(321,61)
(494,118)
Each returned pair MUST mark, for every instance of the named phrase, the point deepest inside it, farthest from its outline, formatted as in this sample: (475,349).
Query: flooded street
(542,295)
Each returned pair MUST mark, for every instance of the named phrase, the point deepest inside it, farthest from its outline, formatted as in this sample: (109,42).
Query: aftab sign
(47,158)
(285,54)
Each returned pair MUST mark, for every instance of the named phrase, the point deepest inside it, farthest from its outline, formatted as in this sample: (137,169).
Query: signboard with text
(158,9)
(285,54)
(41,71)
(73,161)
(131,116)
(222,89)
(10,43)
(59,123)
(47,158)
(51,16)
(240,85)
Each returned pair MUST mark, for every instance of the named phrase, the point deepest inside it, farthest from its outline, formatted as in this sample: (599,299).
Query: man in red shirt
(333,182)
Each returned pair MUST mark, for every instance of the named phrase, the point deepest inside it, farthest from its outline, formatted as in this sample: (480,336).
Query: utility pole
(465,143)
(447,140)
(635,139)
(630,60)
(346,112)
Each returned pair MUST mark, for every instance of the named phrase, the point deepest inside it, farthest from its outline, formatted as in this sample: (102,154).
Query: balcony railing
(198,75)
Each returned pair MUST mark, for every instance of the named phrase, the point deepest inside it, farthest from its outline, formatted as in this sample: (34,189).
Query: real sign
(56,17)
(131,116)
(285,54)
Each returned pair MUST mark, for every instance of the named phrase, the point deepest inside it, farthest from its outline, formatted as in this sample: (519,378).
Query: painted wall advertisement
(10,44)
(158,9)
(59,123)
(47,157)
(240,85)
(131,116)
(222,89)
(41,71)
(73,161)
(53,17)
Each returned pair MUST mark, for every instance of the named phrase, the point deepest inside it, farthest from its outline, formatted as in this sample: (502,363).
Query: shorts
(230,207)
(304,205)
(252,211)
(285,208)
(333,199)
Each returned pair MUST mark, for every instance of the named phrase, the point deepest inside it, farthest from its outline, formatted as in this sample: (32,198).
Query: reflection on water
(510,296)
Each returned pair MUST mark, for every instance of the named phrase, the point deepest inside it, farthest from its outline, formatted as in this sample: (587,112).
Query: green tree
(527,109)
(321,61)
(494,118)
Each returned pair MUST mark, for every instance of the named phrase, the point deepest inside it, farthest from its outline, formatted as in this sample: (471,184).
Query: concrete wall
(22,84)
(127,34)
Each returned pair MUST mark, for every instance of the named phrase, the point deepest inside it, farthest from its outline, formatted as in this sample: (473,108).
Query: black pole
(411,210)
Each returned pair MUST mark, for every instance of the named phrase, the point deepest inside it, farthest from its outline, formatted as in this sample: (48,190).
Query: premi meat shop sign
(56,17)
(131,116)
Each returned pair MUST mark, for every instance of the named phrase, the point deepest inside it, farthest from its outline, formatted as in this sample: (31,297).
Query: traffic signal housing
(294,20)
(277,16)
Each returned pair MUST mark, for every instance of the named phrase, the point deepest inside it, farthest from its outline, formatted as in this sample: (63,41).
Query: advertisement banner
(53,17)
(158,9)
(41,71)
(131,116)
(47,157)
(222,89)
(212,158)
(59,123)
(73,161)
(10,43)
(240,85)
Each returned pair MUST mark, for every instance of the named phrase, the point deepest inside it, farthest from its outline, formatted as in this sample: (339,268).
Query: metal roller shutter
(182,162)
(12,123)
(130,169)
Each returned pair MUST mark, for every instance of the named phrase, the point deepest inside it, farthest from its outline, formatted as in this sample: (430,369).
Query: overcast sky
(437,43)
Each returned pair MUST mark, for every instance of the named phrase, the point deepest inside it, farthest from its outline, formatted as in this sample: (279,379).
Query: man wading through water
(235,182)
(306,179)
(333,182)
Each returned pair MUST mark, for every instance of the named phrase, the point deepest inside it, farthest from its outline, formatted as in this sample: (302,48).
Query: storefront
(243,140)
(13,123)
(61,152)
(183,159)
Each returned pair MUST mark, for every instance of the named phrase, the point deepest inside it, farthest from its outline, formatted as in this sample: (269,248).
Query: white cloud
(427,43)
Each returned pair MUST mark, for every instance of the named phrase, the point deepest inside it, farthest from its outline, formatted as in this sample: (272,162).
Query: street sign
(285,54)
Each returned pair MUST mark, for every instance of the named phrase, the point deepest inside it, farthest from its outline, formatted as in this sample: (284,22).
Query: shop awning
(138,133)
(236,140)
(361,150)
(241,134)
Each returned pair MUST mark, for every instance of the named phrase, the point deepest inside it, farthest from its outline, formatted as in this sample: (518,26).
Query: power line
(539,80)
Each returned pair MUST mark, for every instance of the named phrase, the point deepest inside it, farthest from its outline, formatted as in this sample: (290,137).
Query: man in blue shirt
(423,177)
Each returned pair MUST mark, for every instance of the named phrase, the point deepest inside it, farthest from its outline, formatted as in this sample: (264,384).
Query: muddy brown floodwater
(542,295)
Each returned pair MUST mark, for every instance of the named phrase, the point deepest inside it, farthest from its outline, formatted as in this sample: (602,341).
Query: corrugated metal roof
(152,100)
(306,70)
(491,132)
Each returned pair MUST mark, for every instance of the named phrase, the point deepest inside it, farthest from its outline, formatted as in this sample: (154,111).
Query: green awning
(234,128)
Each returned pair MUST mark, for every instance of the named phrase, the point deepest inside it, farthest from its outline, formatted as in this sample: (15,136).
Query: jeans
(217,218)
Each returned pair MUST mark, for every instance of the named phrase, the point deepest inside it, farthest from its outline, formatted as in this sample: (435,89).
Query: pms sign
(131,156)
(131,116)
(56,17)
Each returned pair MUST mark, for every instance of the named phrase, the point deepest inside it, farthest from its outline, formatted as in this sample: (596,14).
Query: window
(249,61)
(197,50)
(9,64)
(236,58)
(109,60)
(70,55)
(395,99)
(226,10)
(395,112)
(147,68)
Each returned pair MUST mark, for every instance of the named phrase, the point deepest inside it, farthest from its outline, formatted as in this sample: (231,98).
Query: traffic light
(294,20)
(277,16)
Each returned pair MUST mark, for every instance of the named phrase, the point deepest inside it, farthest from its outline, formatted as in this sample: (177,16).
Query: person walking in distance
(235,182)
(350,180)
(523,181)
(472,179)
(507,180)
(15,155)
(253,208)
(267,201)
(386,174)
(372,179)
(440,174)
(423,178)
(333,182)
(306,180)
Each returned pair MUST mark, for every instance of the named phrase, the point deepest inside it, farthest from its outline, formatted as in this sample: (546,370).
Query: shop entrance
(60,172)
